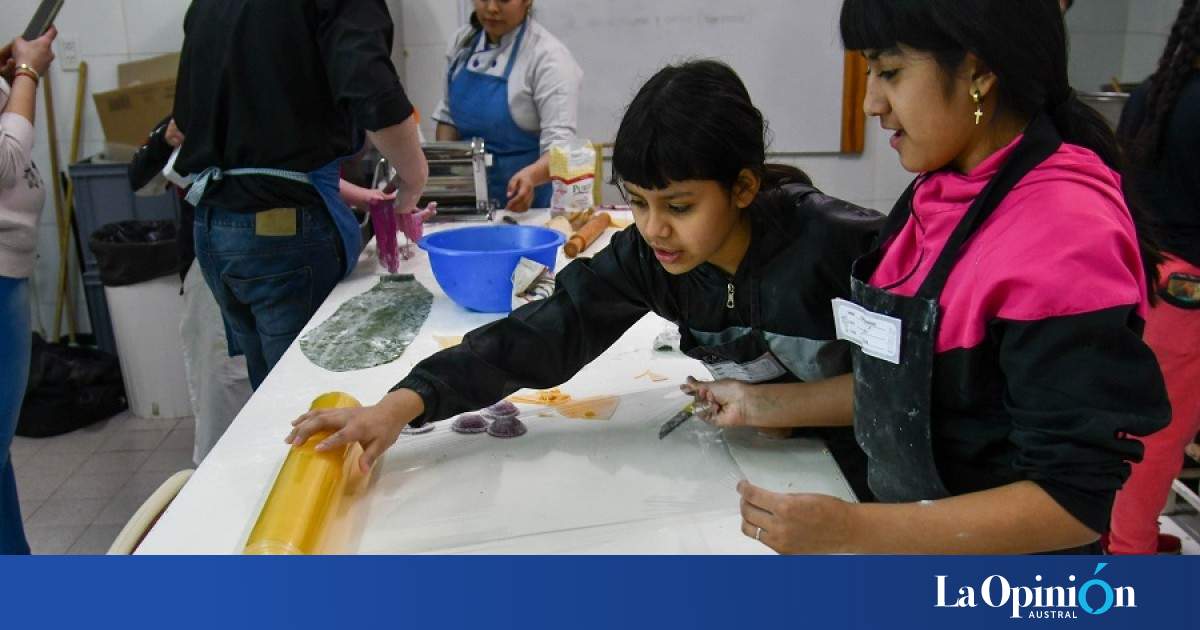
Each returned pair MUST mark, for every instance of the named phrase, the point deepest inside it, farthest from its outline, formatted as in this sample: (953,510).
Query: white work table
(567,486)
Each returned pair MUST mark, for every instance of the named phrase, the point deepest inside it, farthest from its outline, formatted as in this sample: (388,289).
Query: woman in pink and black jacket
(999,369)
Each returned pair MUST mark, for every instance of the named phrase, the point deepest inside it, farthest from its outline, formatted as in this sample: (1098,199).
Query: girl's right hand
(37,54)
(375,427)
(723,403)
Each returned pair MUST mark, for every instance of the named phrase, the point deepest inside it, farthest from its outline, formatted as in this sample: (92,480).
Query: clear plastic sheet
(566,486)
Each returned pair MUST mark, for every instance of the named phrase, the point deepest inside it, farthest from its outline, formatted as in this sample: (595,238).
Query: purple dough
(470,423)
(502,409)
(507,427)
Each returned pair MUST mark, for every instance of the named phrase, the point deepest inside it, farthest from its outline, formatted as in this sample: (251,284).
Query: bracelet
(26,69)
(26,73)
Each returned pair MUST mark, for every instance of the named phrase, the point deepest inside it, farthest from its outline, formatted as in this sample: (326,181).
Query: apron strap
(465,55)
(1040,142)
(898,217)
(195,194)
(862,268)
(512,56)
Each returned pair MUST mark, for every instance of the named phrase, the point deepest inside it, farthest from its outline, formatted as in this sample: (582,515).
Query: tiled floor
(78,490)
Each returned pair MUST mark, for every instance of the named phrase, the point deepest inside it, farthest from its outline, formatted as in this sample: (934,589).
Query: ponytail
(1082,125)
(779,175)
(465,41)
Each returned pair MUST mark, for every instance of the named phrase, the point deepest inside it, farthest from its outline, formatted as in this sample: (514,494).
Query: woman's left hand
(520,191)
(797,523)
(362,198)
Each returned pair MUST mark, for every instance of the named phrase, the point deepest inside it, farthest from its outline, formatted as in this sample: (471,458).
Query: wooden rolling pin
(587,234)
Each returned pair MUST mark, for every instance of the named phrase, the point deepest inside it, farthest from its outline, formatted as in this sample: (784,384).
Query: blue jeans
(15,346)
(267,286)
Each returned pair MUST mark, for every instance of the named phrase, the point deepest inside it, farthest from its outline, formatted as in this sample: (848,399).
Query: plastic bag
(69,388)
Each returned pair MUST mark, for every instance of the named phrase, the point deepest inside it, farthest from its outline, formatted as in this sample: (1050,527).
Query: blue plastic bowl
(474,265)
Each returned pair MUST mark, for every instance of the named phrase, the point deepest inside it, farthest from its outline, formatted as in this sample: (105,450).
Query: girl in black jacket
(744,256)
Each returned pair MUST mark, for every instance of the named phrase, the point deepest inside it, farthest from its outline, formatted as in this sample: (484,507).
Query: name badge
(877,335)
(760,370)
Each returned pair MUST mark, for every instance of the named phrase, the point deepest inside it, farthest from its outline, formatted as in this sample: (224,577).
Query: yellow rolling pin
(305,495)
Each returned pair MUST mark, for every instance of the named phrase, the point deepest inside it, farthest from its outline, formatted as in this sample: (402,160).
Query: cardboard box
(149,70)
(146,95)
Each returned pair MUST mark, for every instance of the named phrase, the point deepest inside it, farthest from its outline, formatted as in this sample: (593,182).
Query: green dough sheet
(370,329)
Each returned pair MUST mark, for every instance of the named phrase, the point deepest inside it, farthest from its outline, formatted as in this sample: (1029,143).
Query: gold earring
(978,105)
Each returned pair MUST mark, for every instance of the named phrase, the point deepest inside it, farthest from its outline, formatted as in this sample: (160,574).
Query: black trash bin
(129,252)
(137,263)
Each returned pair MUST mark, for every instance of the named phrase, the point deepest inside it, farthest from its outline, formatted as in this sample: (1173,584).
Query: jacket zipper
(729,303)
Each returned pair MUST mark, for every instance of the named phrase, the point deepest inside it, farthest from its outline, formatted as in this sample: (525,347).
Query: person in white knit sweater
(22,195)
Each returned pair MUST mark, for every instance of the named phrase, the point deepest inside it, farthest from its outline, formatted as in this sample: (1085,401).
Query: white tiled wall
(109,32)
(1097,36)
(1108,37)
(873,179)
(1117,38)
(1149,25)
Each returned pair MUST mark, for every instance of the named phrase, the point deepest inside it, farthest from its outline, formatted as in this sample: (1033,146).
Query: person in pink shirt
(999,368)
(22,195)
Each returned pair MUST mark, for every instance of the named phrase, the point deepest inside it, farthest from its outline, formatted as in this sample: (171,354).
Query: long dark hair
(1144,142)
(695,120)
(1024,42)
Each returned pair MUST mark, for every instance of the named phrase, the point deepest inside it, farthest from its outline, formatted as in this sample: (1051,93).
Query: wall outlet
(67,52)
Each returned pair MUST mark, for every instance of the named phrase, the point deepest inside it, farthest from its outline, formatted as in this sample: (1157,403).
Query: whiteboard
(788,52)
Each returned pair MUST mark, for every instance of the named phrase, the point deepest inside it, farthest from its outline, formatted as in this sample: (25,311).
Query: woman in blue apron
(998,362)
(516,86)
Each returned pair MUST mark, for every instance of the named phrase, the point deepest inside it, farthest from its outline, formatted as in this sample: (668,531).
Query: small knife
(675,421)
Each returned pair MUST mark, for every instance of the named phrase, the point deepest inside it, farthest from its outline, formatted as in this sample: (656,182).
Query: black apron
(893,407)
(748,358)
(745,357)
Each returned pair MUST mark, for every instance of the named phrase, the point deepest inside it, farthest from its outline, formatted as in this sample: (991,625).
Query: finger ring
(758,534)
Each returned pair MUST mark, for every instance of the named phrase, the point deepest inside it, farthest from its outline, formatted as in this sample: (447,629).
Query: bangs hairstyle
(1022,41)
(883,25)
(694,121)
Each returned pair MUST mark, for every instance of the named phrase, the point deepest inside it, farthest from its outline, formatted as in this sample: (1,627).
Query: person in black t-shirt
(272,95)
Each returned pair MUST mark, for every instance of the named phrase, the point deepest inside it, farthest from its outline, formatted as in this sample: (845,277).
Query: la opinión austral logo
(1039,600)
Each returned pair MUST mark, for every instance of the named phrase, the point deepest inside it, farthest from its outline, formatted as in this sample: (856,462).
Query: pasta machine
(457,180)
